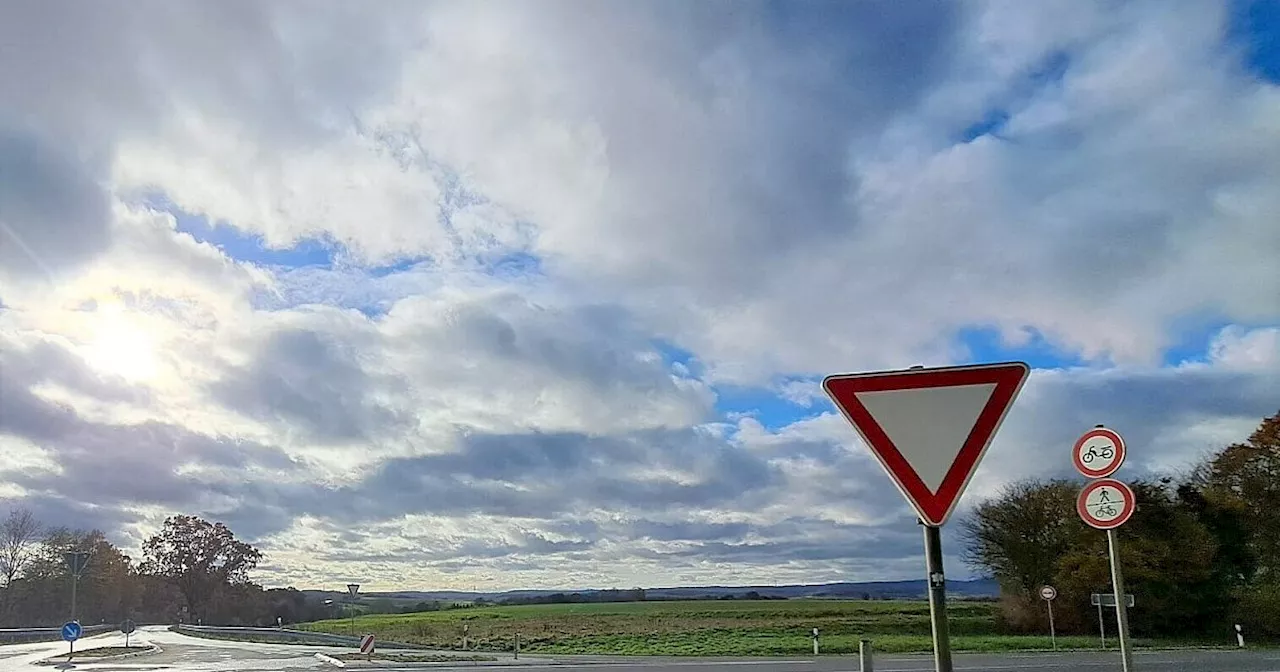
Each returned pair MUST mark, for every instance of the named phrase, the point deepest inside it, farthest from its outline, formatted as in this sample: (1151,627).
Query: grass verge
(701,628)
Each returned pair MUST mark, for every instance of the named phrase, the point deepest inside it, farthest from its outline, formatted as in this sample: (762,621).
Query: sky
(496,295)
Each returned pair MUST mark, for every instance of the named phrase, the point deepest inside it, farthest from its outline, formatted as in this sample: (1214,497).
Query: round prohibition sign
(1105,504)
(1048,593)
(1099,453)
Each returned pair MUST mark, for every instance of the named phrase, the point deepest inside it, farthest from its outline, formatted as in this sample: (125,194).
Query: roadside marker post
(815,641)
(865,664)
(1047,593)
(1239,636)
(1106,504)
(929,429)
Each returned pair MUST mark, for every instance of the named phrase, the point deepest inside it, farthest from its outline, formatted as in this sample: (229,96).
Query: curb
(62,659)
(331,660)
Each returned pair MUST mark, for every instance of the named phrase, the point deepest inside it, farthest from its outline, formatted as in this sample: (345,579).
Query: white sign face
(1048,592)
(1099,453)
(1105,504)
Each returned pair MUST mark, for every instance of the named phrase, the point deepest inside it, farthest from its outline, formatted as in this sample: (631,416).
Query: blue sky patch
(990,125)
(674,354)
(247,247)
(984,344)
(765,406)
(1255,26)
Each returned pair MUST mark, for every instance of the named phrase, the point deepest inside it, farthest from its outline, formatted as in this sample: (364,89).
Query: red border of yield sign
(933,507)
(1121,452)
(1130,502)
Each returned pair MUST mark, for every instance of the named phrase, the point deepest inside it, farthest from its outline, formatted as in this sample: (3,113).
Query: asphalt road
(187,654)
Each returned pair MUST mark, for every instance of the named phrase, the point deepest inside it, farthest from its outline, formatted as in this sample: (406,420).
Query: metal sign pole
(1122,611)
(937,599)
(1053,635)
(1102,626)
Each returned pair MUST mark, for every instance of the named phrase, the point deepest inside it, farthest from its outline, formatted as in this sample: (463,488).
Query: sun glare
(120,346)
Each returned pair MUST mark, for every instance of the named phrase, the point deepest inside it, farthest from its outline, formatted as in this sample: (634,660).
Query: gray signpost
(1048,593)
(127,628)
(1105,504)
(929,429)
(352,589)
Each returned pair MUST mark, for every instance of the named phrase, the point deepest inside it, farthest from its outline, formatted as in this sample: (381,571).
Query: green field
(698,628)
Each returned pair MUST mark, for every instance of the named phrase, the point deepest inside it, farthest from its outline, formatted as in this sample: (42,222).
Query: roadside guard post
(1105,504)
(929,429)
(864,656)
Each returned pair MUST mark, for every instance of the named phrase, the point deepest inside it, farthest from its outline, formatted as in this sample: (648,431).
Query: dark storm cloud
(545,476)
(53,213)
(309,379)
(775,93)
(104,469)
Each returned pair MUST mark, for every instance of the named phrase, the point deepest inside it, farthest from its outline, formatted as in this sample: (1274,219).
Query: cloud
(583,268)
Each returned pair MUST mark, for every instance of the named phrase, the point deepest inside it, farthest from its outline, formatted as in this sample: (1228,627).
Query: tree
(1019,535)
(1246,477)
(1243,481)
(19,534)
(200,558)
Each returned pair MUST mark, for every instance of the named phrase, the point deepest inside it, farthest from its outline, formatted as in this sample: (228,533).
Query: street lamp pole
(76,563)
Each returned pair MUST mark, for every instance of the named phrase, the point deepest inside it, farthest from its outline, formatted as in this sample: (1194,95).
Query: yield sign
(929,427)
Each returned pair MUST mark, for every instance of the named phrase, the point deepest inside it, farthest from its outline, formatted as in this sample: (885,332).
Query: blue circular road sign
(71,631)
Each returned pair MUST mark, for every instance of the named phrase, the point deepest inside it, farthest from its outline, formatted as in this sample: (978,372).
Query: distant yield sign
(929,428)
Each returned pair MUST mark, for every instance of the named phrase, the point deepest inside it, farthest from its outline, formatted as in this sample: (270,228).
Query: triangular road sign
(929,427)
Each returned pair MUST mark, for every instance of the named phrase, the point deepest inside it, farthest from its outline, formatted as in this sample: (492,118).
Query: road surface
(181,653)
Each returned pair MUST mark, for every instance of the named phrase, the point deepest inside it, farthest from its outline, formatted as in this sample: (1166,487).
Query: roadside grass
(700,628)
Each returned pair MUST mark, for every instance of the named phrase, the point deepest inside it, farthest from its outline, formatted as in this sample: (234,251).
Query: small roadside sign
(929,428)
(1047,593)
(71,631)
(366,644)
(1109,600)
(1105,504)
(1098,453)
(127,628)
(352,589)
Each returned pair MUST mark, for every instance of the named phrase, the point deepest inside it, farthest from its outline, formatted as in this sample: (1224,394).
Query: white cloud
(781,195)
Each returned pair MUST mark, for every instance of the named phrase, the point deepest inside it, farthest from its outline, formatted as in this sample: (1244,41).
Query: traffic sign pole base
(937,580)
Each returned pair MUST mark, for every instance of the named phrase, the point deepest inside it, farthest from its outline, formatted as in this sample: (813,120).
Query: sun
(119,345)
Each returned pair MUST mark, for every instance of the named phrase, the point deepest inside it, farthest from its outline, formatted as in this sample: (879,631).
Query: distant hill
(914,589)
